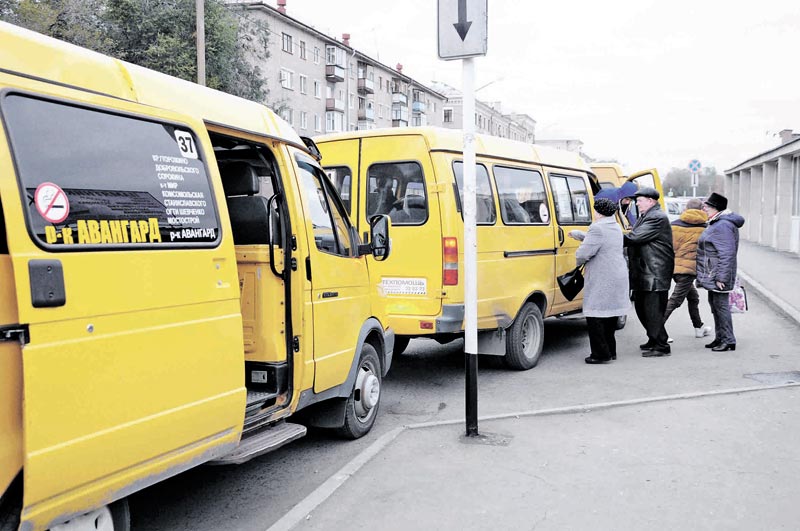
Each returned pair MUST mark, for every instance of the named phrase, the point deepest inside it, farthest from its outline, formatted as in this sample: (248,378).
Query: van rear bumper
(452,319)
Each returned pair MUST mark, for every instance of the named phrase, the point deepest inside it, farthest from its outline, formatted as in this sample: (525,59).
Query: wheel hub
(369,392)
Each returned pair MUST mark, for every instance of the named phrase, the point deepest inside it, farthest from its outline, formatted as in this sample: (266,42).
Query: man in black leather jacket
(651,260)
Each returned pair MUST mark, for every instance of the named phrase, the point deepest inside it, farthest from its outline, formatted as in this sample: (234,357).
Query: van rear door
(11,336)
(133,371)
(397,178)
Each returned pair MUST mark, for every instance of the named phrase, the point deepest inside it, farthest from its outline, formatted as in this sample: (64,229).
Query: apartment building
(322,85)
(489,117)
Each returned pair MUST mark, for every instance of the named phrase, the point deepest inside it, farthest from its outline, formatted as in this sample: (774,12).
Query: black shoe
(656,352)
(594,361)
(613,357)
(714,343)
(647,346)
(722,347)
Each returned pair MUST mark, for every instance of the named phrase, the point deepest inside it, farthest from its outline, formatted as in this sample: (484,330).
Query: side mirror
(380,245)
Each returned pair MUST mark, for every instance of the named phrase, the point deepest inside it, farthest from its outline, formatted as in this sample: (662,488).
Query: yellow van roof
(35,55)
(440,138)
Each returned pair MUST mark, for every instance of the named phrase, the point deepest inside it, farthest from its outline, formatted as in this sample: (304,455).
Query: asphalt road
(427,384)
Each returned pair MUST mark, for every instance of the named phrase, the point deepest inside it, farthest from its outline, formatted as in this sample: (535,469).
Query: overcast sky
(647,82)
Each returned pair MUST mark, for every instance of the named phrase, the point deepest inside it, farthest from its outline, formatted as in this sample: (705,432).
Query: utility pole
(201,42)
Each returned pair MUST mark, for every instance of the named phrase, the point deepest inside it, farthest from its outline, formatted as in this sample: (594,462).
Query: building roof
(787,148)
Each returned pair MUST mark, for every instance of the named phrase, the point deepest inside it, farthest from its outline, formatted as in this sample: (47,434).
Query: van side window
(485,213)
(342,180)
(571,199)
(105,181)
(331,228)
(397,189)
(522,196)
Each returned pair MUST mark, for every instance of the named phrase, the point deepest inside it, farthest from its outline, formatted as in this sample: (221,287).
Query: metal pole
(201,42)
(470,251)
(694,184)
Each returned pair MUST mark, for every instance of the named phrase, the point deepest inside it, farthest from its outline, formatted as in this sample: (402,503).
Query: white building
(765,189)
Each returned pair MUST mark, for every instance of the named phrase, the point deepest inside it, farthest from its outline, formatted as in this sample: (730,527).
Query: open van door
(650,179)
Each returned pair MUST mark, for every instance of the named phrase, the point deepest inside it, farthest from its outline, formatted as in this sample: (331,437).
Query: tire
(525,338)
(114,517)
(400,344)
(362,404)
(621,321)
(11,506)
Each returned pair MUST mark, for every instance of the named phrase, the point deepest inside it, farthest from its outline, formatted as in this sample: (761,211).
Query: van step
(255,399)
(261,442)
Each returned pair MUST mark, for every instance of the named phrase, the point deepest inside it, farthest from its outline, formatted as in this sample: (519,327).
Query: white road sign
(462,28)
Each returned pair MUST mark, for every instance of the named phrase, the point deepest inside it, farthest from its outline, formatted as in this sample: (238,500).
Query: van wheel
(400,344)
(621,321)
(362,404)
(114,517)
(525,338)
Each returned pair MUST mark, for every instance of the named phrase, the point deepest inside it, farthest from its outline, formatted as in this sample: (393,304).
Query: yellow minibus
(179,277)
(528,198)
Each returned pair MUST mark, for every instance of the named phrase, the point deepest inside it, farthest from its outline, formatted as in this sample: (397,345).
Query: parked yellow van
(610,175)
(528,198)
(178,277)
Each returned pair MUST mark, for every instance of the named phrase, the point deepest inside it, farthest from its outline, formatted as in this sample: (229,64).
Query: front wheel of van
(525,338)
(362,404)
(114,517)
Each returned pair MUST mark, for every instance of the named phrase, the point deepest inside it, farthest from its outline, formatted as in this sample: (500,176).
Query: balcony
(334,73)
(399,97)
(366,86)
(366,114)
(399,123)
(418,106)
(333,104)
(400,113)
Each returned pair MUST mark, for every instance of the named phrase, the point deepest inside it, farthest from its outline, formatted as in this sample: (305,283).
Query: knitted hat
(605,206)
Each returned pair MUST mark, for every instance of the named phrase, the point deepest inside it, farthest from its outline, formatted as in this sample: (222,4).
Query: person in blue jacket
(716,266)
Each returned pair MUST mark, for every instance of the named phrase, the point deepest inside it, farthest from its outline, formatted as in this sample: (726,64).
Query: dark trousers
(685,290)
(723,324)
(650,307)
(601,337)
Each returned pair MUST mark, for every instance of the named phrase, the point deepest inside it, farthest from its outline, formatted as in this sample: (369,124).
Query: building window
(287,78)
(303,50)
(303,120)
(334,122)
(316,55)
(287,43)
(317,123)
(303,84)
(448,116)
(286,114)
(317,89)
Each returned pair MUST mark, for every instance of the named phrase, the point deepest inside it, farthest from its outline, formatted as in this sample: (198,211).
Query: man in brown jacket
(686,231)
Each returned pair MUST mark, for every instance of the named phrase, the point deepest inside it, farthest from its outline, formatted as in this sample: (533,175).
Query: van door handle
(329,294)
(560,236)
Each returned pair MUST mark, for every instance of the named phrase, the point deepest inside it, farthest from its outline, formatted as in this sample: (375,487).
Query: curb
(776,302)
(305,507)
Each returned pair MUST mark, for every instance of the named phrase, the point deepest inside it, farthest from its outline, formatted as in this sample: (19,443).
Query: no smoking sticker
(51,202)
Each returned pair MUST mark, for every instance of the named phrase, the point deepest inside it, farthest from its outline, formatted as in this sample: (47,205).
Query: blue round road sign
(695,165)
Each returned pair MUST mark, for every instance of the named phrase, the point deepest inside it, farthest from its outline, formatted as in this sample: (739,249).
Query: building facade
(322,85)
(489,117)
(765,189)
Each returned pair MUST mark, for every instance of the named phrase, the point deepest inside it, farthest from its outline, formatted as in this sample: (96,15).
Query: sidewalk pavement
(775,275)
(719,459)
(724,460)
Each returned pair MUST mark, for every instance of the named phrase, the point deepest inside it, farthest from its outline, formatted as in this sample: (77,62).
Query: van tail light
(450,264)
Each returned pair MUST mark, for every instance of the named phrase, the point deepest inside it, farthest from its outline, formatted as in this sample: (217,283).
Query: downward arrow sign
(462,27)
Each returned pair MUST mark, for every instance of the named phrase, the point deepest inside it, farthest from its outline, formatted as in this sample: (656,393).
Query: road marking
(305,507)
